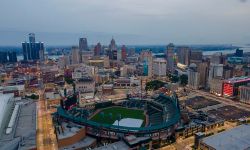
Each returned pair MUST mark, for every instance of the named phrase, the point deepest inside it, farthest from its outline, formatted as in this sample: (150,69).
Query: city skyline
(125,74)
(130,22)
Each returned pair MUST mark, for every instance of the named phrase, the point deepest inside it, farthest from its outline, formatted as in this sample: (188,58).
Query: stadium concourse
(153,120)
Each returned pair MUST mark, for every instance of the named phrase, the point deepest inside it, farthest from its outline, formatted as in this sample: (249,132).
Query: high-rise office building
(98,49)
(113,50)
(202,68)
(12,57)
(123,52)
(3,57)
(32,49)
(193,77)
(216,86)
(170,57)
(216,70)
(131,52)
(119,55)
(112,45)
(239,53)
(196,56)
(83,44)
(146,58)
(64,61)
(217,58)
(32,38)
(228,71)
(245,94)
(183,55)
(75,55)
(160,67)
(41,55)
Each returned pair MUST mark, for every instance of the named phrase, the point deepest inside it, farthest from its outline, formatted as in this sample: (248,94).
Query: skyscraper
(3,57)
(160,66)
(12,57)
(170,57)
(123,52)
(32,38)
(75,57)
(41,55)
(98,49)
(147,59)
(113,50)
(83,44)
(112,45)
(202,68)
(239,53)
(196,56)
(183,54)
(32,49)
(131,52)
(216,70)
(217,58)
(193,77)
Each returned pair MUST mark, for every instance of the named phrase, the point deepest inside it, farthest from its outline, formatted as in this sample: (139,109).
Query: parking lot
(229,113)
(199,102)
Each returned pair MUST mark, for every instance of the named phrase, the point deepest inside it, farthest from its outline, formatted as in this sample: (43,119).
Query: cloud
(163,20)
(243,1)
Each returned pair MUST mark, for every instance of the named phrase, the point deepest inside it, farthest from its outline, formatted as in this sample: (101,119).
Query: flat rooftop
(236,138)
(237,79)
(114,146)
(69,129)
(131,139)
(85,142)
(24,130)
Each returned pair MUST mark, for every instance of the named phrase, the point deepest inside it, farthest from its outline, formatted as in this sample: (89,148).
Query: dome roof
(193,65)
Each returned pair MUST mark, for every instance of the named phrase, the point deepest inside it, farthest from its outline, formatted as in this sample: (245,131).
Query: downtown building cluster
(85,79)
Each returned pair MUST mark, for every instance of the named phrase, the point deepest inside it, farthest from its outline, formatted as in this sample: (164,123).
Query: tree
(69,80)
(184,79)
(154,85)
(74,88)
(65,92)
(173,78)
(33,96)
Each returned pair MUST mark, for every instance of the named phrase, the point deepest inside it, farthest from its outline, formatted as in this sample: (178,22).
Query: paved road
(46,138)
(180,144)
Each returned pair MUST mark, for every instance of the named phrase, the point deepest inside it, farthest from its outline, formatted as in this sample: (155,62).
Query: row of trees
(33,96)
(156,84)
(69,80)
(183,79)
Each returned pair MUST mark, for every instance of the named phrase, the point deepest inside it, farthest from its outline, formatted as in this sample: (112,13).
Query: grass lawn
(110,115)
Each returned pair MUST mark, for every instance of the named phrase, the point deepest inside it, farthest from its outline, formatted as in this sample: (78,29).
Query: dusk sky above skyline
(62,22)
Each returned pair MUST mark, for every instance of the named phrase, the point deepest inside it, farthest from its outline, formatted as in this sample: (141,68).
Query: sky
(63,22)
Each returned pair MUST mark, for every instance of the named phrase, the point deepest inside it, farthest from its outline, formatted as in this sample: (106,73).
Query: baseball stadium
(155,118)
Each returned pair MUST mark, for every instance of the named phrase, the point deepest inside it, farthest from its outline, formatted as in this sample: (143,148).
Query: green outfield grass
(105,116)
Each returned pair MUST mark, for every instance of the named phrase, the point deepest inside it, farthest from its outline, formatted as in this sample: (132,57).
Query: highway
(46,138)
